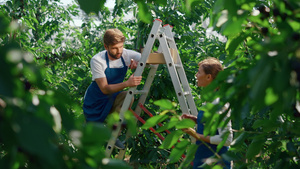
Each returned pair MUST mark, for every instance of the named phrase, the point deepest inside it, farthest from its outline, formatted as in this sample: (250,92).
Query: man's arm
(113,88)
(196,135)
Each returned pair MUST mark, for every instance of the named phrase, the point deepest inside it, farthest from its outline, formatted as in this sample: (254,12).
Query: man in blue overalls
(109,68)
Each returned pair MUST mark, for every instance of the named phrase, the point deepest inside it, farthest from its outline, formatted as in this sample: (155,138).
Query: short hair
(211,66)
(113,36)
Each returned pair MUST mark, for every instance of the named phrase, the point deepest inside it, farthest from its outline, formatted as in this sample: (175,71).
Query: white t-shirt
(98,62)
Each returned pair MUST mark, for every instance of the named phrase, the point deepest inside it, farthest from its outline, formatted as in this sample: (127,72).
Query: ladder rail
(173,73)
(130,93)
(181,72)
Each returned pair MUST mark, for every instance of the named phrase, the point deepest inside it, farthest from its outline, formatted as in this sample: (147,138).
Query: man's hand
(133,64)
(189,116)
(192,132)
(189,131)
(134,81)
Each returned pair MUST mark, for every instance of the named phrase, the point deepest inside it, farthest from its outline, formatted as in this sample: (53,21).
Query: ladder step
(186,93)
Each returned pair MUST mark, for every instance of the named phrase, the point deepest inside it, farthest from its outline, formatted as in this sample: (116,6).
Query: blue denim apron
(96,105)
(203,152)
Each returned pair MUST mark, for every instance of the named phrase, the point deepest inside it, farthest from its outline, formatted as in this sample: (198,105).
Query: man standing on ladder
(109,67)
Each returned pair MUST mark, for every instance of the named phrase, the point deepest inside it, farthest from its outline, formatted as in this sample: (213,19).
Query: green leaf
(36,137)
(240,140)
(154,120)
(143,13)
(217,167)
(232,44)
(260,77)
(295,25)
(89,6)
(172,123)
(189,156)
(164,104)
(185,123)
(258,123)
(64,87)
(114,164)
(171,139)
(255,147)
(270,97)
(218,6)
(267,124)
(233,26)
(91,134)
(188,5)
(4,23)
(178,150)
(131,122)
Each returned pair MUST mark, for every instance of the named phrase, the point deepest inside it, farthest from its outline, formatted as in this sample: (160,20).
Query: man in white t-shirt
(109,68)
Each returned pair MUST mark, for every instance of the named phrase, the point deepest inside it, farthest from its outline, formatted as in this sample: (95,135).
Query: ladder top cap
(168,25)
(158,20)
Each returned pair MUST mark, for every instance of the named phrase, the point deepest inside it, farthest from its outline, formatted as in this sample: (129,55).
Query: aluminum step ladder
(169,56)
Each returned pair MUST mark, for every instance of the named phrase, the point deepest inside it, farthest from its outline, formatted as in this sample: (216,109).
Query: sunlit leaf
(154,120)
(185,123)
(143,13)
(171,139)
(164,104)
(270,97)
(89,6)
(172,123)
(232,44)
(217,167)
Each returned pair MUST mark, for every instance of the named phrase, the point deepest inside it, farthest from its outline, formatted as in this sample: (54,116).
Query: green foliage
(260,87)
(45,71)
(91,6)
(41,124)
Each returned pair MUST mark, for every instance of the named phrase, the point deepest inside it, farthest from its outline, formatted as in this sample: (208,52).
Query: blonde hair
(211,66)
(113,36)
